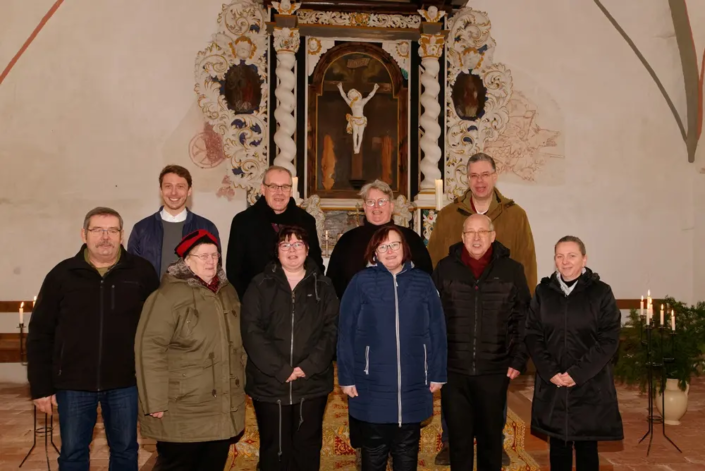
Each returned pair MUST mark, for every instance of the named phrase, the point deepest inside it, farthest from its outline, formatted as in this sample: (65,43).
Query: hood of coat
(585,280)
(181,272)
(464,205)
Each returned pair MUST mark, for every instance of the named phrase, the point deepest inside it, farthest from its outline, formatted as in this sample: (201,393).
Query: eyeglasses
(482,233)
(289,245)
(481,176)
(274,187)
(393,246)
(99,231)
(204,257)
(382,202)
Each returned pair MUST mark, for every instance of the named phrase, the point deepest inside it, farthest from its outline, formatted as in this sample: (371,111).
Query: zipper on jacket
(211,355)
(474,336)
(425,365)
(396,321)
(112,298)
(291,355)
(61,359)
(565,349)
(100,330)
(367,360)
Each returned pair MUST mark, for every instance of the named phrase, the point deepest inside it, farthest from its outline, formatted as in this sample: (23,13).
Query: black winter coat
(282,329)
(485,317)
(253,238)
(577,334)
(82,330)
(348,257)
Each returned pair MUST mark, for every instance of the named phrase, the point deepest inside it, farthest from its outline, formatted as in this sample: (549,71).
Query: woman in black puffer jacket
(289,329)
(572,333)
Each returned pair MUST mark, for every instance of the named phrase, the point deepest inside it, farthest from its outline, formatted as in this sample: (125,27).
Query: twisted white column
(430,50)
(286,43)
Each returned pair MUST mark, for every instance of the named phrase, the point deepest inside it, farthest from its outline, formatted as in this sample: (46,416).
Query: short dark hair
(287,232)
(380,236)
(570,238)
(482,157)
(176,170)
(101,211)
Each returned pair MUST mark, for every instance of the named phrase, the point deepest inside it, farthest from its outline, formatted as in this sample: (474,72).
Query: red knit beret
(193,239)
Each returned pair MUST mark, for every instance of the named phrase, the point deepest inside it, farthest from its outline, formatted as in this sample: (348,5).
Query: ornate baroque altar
(341,93)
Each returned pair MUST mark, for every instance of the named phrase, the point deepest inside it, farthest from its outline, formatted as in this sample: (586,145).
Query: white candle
(673,320)
(641,308)
(662,317)
(439,194)
(295,187)
(22,313)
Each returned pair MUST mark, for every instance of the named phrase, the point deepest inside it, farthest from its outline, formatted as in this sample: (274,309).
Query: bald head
(478,235)
(479,219)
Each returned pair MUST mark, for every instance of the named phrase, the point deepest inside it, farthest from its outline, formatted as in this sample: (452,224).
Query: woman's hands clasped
(563,379)
(296,374)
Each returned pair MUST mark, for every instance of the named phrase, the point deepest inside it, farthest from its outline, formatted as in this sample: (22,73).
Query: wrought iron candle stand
(48,430)
(654,363)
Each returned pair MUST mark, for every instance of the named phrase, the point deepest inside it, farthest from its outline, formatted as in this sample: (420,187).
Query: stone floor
(628,455)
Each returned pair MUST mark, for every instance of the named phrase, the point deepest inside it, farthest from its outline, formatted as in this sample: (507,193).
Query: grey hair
(570,238)
(275,168)
(489,220)
(377,185)
(101,211)
(482,157)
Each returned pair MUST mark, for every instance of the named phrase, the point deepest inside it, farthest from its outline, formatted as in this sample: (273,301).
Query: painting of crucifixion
(354,122)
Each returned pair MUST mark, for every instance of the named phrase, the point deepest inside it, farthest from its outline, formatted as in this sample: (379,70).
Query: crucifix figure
(357,120)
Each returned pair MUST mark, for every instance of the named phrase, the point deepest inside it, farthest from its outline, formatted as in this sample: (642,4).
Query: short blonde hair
(376,185)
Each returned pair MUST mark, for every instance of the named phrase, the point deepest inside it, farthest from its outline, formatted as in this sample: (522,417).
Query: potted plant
(686,350)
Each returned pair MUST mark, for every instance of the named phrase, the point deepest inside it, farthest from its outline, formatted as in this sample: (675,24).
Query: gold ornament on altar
(285,7)
(431,45)
(432,15)
(286,40)
(243,48)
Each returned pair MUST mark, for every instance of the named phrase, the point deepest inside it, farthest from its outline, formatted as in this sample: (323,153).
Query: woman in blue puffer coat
(391,351)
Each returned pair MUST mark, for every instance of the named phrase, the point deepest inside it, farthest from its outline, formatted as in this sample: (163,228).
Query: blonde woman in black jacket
(289,329)
(572,333)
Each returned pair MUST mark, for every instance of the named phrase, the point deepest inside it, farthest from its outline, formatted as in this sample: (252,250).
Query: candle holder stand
(23,353)
(656,364)
(47,432)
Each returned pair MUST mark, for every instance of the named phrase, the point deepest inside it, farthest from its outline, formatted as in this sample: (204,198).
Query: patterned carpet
(338,455)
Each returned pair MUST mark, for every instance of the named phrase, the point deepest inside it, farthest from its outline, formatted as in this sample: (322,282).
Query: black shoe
(506,460)
(257,466)
(443,456)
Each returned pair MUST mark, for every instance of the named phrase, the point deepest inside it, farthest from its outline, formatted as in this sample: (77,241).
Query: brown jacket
(190,360)
(510,223)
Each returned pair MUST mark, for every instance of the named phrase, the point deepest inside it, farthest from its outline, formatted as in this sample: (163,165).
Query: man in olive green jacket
(509,219)
(190,359)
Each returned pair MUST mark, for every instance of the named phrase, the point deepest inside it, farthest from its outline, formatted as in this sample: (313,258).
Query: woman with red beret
(191,362)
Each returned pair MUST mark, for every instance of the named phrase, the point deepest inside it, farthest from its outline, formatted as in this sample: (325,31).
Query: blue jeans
(78,413)
(444,426)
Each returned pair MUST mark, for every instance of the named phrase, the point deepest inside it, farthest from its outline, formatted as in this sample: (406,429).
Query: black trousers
(201,456)
(354,432)
(290,437)
(379,440)
(474,408)
(561,455)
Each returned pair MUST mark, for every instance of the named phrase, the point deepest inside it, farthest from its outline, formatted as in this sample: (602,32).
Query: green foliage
(686,348)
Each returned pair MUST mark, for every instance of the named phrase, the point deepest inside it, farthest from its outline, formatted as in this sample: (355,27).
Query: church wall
(103,98)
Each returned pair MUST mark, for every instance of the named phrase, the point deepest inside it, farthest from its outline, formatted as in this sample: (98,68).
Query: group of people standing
(401,322)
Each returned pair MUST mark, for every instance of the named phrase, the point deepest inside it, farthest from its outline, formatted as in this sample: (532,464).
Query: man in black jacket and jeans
(253,232)
(80,346)
(484,295)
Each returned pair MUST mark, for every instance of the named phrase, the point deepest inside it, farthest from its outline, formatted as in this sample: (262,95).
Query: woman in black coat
(289,328)
(572,332)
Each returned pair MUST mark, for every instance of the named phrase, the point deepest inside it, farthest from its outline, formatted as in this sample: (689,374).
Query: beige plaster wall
(104,98)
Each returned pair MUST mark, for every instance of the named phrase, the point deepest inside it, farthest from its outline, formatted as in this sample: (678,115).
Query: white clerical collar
(181,217)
